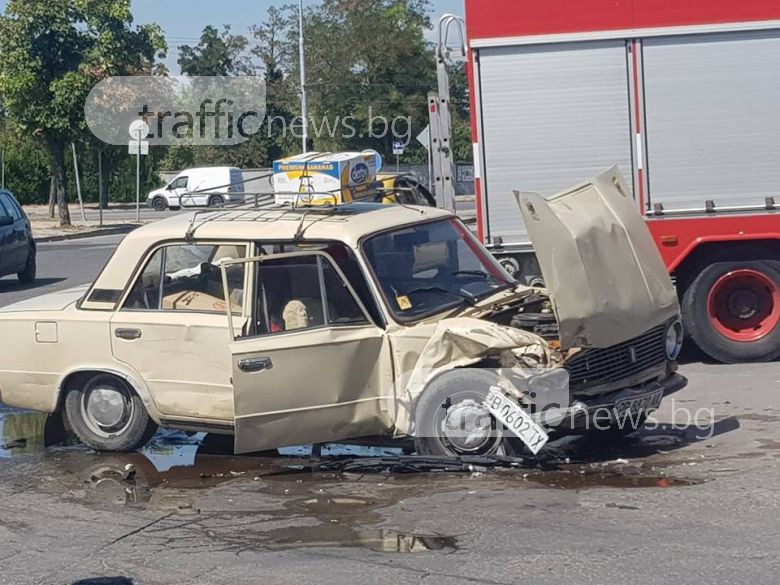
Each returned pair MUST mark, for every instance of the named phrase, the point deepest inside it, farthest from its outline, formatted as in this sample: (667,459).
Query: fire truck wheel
(732,311)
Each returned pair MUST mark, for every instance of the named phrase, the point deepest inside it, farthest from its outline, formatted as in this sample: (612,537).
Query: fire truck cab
(685,98)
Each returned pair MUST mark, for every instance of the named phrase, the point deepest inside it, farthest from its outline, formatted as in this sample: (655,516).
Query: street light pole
(304,98)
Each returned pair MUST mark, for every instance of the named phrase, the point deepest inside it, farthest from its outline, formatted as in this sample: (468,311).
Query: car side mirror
(6,220)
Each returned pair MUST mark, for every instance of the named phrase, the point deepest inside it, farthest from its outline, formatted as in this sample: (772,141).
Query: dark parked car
(17,248)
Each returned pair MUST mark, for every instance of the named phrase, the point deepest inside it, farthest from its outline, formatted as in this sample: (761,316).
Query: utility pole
(304,97)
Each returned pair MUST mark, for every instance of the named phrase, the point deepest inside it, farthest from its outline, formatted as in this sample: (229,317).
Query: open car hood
(607,278)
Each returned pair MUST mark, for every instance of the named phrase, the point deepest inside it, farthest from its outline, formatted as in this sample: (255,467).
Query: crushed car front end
(597,350)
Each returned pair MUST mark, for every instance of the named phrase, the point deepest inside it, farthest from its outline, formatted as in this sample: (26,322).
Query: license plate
(516,420)
(636,407)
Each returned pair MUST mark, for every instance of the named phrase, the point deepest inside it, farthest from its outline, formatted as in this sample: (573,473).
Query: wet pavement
(683,502)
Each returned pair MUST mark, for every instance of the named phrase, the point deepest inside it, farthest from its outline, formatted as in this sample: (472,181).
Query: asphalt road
(61,265)
(691,502)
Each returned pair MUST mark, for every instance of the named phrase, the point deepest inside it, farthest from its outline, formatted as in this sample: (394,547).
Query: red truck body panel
(513,18)
(507,19)
(678,237)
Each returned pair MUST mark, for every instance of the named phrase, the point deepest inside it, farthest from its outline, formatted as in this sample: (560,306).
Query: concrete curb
(108,231)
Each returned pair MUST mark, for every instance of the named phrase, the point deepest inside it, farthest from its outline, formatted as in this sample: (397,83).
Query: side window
(10,207)
(306,292)
(342,308)
(188,277)
(145,294)
(4,212)
(343,257)
(180,183)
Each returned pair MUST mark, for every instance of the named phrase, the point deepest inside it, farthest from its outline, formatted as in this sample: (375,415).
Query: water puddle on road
(290,502)
(585,479)
(27,433)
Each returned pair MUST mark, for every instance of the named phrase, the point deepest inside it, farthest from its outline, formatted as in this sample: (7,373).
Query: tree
(277,50)
(368,60)
(52,52)
(26,165)
(275,46)
(217,54)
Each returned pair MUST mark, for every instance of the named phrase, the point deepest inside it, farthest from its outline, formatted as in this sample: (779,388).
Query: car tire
(159,204)
(459,392)
(107,415)
(216,201)
(27,275)
(732,311)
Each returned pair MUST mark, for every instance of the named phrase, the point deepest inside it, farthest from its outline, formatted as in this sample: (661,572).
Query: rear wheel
(450,420)
(159,204)
(107,415)
(27,275)
(732,311)
(216,201)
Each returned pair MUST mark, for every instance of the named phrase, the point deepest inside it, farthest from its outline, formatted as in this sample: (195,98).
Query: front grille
(597,367)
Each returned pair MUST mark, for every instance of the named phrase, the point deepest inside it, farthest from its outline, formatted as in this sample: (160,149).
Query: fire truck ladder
(443,160)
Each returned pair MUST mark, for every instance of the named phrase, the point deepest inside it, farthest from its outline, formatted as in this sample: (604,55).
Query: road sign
(398,148)
(139,146)
(139,130)
(464,174)
(134,149)
(425,137)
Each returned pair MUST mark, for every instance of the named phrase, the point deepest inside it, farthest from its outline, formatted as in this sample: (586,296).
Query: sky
(183,20)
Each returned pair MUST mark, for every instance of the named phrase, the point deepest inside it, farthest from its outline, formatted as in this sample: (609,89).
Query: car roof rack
(268,212)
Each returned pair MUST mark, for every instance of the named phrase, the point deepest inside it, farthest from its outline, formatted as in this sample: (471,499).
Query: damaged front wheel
(451,420)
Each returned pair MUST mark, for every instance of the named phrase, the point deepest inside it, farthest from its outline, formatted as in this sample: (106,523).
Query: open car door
(310,366)
(600,263)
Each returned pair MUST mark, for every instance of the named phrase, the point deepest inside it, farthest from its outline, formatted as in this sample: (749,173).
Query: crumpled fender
(462,342)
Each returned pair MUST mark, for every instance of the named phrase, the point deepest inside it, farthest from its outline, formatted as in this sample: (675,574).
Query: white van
(204,187)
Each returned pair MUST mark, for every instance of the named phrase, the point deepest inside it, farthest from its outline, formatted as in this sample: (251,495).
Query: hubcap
(106,409)
(744,306)
(467,427)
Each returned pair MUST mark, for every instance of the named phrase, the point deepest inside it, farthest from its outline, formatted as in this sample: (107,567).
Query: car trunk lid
(56,301)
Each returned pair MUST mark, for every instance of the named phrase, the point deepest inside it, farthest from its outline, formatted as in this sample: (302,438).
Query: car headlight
(674,340)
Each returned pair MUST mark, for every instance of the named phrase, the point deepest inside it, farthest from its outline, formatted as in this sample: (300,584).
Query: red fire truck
(685,97)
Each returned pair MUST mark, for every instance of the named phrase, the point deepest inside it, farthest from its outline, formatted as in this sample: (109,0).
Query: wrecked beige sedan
(294,326)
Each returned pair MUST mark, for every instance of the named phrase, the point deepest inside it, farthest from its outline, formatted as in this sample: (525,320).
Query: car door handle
(128,334)
(255,365)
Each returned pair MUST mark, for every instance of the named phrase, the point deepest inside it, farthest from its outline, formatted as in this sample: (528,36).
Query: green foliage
(369,65)
(217,54)
(368,60)
(26,166)
(52,52)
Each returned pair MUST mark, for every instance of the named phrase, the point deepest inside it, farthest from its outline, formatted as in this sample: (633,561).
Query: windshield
(429,268)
